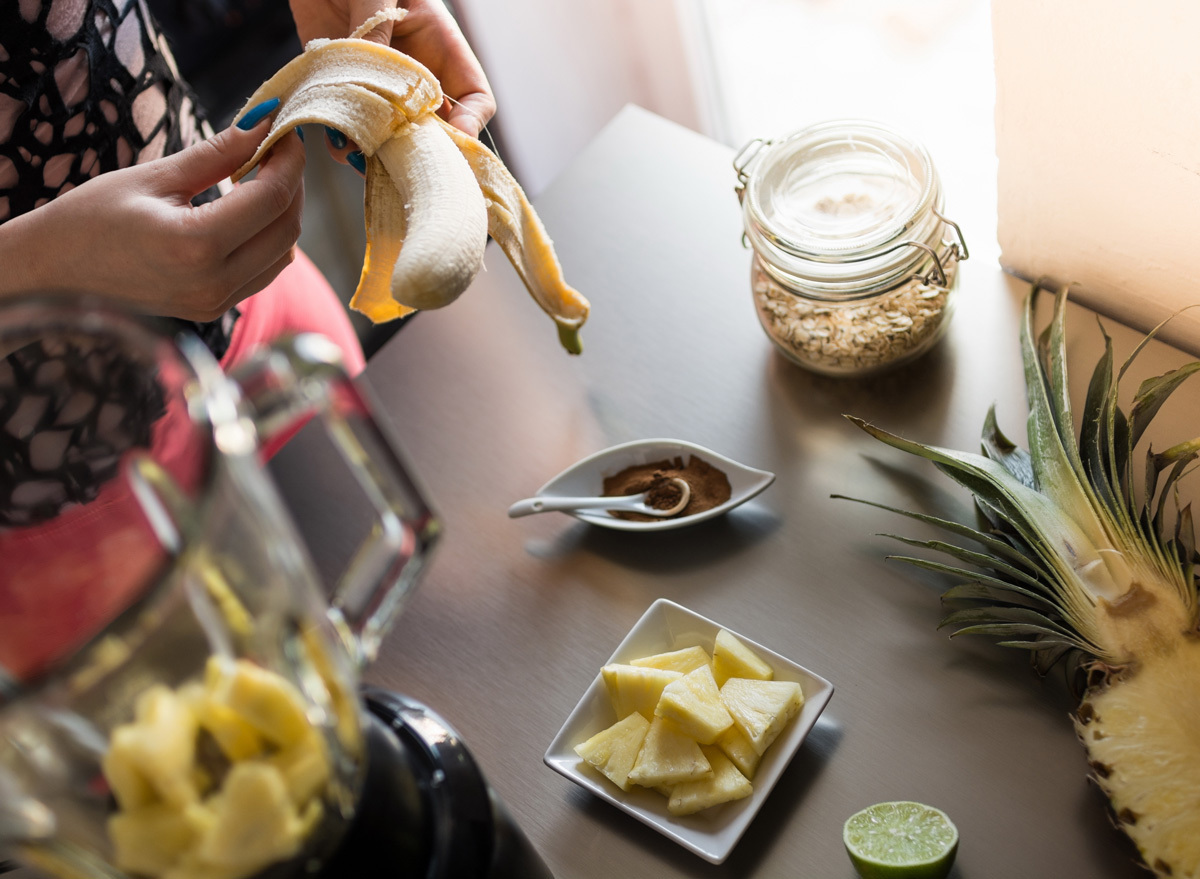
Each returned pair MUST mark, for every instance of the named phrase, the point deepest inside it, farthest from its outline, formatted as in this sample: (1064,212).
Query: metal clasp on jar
(937,274)
(740,162)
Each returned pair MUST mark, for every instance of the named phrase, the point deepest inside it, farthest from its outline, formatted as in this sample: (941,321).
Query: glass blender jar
(177,697)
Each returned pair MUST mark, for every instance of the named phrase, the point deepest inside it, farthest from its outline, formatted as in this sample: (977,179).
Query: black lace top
(89,86)
(86,87)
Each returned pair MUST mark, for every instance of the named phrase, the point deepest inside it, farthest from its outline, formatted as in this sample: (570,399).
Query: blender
(179,698)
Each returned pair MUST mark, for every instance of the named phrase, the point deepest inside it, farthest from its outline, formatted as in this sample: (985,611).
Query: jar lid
(837,202)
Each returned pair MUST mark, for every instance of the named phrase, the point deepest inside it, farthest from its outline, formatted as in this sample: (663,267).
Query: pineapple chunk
(668,757)
(761,709)
(151,758)
(694,703)
(237,739)
(256,825)
(305,767)
(740,750)
(129,785)
(726,784)
(632,688)
(733,659)
(683,661)
(613,751)
(262,698)
(151,839)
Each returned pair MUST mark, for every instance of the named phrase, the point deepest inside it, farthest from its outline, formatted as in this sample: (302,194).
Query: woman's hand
(427,33)
(133,234)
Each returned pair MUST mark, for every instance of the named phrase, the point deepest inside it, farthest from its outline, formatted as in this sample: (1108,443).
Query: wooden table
(515,617)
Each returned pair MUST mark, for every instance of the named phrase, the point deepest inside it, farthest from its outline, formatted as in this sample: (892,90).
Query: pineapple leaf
(1024,618)
(1048,654)
(1153,393)
(994,544)
(1002,450)
(1011,630)
(1104,475)
(1096,403)
(1037,645)
(1057,467)
(971,557)
(1185,538)
(997,592)
(1168,487)
(968,574)
(1067,554)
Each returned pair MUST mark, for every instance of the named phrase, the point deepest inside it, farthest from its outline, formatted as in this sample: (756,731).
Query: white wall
(1098,144)
(562,68)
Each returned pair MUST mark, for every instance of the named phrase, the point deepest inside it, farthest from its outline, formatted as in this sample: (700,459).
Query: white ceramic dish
(586,479)
(713,833)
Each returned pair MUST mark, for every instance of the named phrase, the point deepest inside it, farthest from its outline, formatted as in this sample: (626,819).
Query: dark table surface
(515,617)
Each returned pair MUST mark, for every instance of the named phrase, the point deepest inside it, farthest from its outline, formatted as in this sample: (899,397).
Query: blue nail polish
(256,115)
(357,161)
(300,133)
(335,137)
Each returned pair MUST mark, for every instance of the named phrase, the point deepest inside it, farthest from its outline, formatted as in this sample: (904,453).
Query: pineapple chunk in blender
(633,688)
(237,739)
(683,661)
(262,698)
(304,766)
(152,758)
(761,709)
(256,822)
(725,785)
(668,757)
(733,659)
(614,751)
(694,704)
(151,839)
(267,796)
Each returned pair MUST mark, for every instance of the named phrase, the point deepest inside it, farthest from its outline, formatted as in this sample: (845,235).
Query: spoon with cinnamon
(663,499)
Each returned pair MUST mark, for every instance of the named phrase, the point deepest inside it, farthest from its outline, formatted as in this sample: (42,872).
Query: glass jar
(855,268)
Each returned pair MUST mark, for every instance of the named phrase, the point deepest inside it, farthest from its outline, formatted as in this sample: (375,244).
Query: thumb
(361,10)
(209,162)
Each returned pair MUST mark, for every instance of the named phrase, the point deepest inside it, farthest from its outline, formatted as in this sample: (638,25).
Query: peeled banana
(433,193)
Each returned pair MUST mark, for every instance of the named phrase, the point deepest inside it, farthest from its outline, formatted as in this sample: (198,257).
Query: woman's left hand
(428,33)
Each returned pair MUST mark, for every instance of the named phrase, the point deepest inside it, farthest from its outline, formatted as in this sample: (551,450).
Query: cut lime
(901,841)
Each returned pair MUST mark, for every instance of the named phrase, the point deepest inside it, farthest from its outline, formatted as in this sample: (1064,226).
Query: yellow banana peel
(433,193)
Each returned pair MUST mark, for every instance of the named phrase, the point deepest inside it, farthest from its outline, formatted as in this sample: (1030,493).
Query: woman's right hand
(133,234)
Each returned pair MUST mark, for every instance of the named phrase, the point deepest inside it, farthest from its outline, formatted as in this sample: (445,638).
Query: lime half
(901,840)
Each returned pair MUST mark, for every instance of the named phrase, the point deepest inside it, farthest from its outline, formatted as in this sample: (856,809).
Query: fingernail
(256,115)
(300,133)
(357,161)
(335,137)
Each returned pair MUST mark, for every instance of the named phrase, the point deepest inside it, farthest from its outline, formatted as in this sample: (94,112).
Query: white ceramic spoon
(585,478)
(630,503)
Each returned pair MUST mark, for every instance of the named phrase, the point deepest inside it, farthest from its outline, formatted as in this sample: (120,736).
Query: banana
(444,213)
(433,193)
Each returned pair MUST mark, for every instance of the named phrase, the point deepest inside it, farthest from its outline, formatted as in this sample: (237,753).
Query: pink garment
(299,300)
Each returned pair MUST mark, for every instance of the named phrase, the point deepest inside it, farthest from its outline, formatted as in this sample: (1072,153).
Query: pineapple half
(1079,565)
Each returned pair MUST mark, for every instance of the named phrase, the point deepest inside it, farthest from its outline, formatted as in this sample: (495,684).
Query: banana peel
(433,193)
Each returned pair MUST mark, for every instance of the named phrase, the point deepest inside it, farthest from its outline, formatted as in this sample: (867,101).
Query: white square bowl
(714,832)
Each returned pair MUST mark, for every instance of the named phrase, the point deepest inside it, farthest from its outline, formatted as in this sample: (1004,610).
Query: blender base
(426,809)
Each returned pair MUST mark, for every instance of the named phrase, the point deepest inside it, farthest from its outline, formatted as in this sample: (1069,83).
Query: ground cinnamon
(709,485)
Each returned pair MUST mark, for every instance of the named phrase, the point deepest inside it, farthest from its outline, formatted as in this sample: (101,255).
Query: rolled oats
(855,336)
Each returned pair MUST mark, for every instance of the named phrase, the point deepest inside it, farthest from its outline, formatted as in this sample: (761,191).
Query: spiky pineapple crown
(1085,557)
